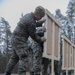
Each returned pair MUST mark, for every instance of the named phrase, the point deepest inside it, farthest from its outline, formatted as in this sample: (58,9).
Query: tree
(71,11)
(71,16)
(5,43)
(66,27)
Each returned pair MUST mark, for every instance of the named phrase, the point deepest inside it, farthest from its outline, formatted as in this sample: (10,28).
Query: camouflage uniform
(36,58)
(12,62)
(37,49)
(24,29)
(45,63)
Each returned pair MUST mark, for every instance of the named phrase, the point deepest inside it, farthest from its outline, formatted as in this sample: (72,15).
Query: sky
(11,10)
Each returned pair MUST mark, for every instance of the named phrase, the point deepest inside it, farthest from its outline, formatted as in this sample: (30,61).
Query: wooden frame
(68,55)
(52,34)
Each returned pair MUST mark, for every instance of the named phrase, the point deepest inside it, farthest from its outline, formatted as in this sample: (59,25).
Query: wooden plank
(53,18)
(49,36)
(68,51)
(56,41)
(65,51)
(69,54)
(52,35)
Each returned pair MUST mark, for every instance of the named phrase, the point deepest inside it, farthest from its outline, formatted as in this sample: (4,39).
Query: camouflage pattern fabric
(27,27)
(20,48)
(37,60)
(45,63)
(12,62)
(24,29)
(36,57)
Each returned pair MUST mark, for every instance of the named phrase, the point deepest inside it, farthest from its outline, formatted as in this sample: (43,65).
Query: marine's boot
(7,73)
(31,73)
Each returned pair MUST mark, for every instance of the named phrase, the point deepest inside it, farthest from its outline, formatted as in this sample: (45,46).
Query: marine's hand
(44,29)
(43,39)
(42,21)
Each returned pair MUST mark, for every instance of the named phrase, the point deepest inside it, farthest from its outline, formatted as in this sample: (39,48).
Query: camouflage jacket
(39,33)
(27,27)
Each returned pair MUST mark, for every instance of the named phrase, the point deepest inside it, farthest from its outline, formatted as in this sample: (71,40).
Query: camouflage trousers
(20,51)
(45,63)
(12,62)
(14,59)
(38,63)
(33,59)
(36,58)
(23,65)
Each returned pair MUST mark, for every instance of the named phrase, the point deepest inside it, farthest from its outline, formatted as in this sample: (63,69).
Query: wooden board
(52,34)
(68,54)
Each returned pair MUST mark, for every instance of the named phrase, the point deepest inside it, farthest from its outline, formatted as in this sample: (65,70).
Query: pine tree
(71,17)
(5,36)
